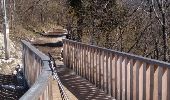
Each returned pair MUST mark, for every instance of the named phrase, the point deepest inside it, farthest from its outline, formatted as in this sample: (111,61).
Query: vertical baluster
(142,81)
(79,53)
(47,98)
(91,67)
(110,79)
(97,60)
(114,76)
(124,78)
(104,72)
(149,82)
(50,90)
(68,54)
(73,57)
(165,84)
(157,83)
(100,69)
(119,78)
(107,73)
(93,64)
(78,59)
(136,80)
(68,62)
(30,75)
(41,97)
(64,52)
(76,55)
(130,80)
(71,60)
(45,92)
(81,59)
(88,70)
(26,66)
(89,59)
(85,61)
(90,64)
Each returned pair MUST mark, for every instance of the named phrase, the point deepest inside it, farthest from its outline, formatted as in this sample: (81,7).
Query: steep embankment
(7,66)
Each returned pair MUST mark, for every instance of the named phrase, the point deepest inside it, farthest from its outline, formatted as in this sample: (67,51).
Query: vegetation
(133,26)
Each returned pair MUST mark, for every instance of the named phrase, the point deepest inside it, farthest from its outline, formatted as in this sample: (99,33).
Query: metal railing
(122,75)
(53,67)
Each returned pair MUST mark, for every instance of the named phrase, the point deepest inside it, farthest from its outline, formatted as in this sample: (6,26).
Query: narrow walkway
(56,92)
(57,95)
(76,87)
(80,87)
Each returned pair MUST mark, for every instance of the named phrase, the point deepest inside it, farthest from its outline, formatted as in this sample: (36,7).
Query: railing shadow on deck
(80,87)
(124,76)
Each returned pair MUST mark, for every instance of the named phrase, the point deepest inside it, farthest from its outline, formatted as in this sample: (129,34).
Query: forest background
(140,27)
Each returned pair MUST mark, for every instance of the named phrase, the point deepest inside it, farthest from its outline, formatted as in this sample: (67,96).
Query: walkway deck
(56,92)
(77,88)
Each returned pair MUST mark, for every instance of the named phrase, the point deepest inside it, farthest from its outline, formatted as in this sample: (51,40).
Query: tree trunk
(164,37)
(5,30)
(79,28)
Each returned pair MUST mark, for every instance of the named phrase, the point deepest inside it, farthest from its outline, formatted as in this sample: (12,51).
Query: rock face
(51,42)
(51,36)
(7,66)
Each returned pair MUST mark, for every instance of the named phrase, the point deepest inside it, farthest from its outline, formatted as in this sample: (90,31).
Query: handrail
(41,55)
(37,73)
(36,91)
(148,60)
(122,75)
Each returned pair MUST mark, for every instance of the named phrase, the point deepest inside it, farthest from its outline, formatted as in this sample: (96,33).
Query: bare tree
(5,30)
